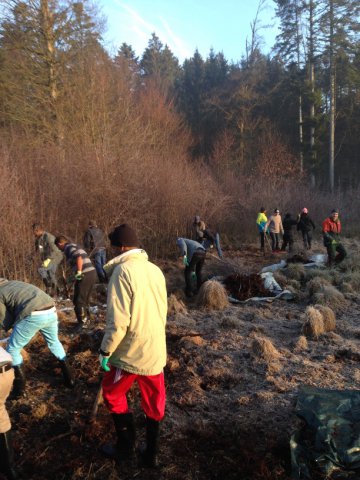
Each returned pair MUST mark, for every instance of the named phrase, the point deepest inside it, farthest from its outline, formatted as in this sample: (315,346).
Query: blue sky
(185,25)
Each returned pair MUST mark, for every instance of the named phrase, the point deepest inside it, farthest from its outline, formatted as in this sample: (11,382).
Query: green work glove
(104,362)
(193,275)
(185,261)
(78,275)
(333,242)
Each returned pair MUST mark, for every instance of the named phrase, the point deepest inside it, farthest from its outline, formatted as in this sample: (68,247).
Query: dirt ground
(230,413)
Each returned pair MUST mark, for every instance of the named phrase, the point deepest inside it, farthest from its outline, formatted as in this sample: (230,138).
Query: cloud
(140,31)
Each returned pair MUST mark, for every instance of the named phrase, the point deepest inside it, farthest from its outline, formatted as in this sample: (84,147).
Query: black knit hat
(124,236)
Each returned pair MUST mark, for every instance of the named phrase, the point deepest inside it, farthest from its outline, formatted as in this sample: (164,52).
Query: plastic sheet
(328,444)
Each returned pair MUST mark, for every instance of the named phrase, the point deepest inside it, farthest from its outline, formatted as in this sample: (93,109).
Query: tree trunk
(332,100)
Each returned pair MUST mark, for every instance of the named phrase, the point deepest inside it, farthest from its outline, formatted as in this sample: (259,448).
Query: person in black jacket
(306,226)
(288,238)
(95,246)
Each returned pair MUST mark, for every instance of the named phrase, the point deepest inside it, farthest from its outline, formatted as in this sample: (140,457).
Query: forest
(150,141)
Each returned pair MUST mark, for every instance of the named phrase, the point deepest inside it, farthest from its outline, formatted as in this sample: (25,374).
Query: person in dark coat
(306,227)
(95,246)
(288,238)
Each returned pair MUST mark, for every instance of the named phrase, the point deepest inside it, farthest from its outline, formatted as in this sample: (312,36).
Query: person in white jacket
(134,344)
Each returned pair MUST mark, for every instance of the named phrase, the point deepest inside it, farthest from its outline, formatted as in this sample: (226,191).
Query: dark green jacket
(45,245)
(18,300)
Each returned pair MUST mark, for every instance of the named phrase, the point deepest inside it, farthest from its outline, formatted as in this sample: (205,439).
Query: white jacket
(136,314)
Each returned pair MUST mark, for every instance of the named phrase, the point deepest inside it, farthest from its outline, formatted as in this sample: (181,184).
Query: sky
(186,25)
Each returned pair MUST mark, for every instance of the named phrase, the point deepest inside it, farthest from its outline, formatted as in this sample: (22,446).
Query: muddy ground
(229,412)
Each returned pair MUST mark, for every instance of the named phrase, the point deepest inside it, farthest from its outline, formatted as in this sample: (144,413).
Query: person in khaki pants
(6,381)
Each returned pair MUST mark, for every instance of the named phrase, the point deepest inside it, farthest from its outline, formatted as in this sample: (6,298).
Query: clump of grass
(328,316)
(318,272)
(230,321)
(301,344)
(280,278)
(353,279)
(330,296)
(350,264)
(316,284)
(295,284)
(295,271)
(264,349)
(213,296)
(314,324)
(175,305)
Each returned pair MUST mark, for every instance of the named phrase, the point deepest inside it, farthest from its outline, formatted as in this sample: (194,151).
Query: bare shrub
(314,325)
(328,316)
(213,296)
(301,344)
(329,296)
(175,305)
(263,348)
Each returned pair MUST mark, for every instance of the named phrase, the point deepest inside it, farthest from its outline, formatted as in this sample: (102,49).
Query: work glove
(79,275)
(193,275)
(185,261)
(46,263)
(103,359)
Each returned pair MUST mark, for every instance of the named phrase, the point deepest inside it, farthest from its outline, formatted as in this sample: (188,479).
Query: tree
(42,42)
(159,64)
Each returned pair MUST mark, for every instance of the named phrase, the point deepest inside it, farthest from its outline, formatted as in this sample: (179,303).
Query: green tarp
(328,443)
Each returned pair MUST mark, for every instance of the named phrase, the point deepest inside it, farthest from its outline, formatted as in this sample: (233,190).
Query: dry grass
(350,264)
(295,271)
(316,284)
(318,272)
(281,278)
(263,348)
(213,296)
(175,305)
(328,316)
(330,296)
(353,279)
(301,344)
(314,323)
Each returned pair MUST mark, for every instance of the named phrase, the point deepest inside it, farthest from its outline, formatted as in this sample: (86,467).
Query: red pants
(117,382)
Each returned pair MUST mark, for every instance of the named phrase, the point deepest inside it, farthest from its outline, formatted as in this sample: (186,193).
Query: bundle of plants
(244,286)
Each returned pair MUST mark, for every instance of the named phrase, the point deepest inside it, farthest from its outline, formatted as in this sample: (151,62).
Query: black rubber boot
(149,455)
(125,430)
(7,457)
(81,317)
(18,389)
(67,373)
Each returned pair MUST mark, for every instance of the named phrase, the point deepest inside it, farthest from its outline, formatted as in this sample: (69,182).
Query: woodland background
(151,142)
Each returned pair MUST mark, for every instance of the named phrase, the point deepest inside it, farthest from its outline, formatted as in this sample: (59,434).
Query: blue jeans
(43,322)
(100,260)
(206,243)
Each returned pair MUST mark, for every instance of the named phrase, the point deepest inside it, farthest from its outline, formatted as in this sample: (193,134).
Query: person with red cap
(133,348)
(331,228)
(306,226)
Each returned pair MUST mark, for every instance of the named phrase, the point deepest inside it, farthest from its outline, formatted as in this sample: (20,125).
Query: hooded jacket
(136,314)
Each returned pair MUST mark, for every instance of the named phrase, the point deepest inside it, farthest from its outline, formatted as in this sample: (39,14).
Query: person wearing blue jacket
(193,254)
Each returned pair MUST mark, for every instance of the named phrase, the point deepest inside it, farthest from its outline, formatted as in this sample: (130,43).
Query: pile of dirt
(244,286)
